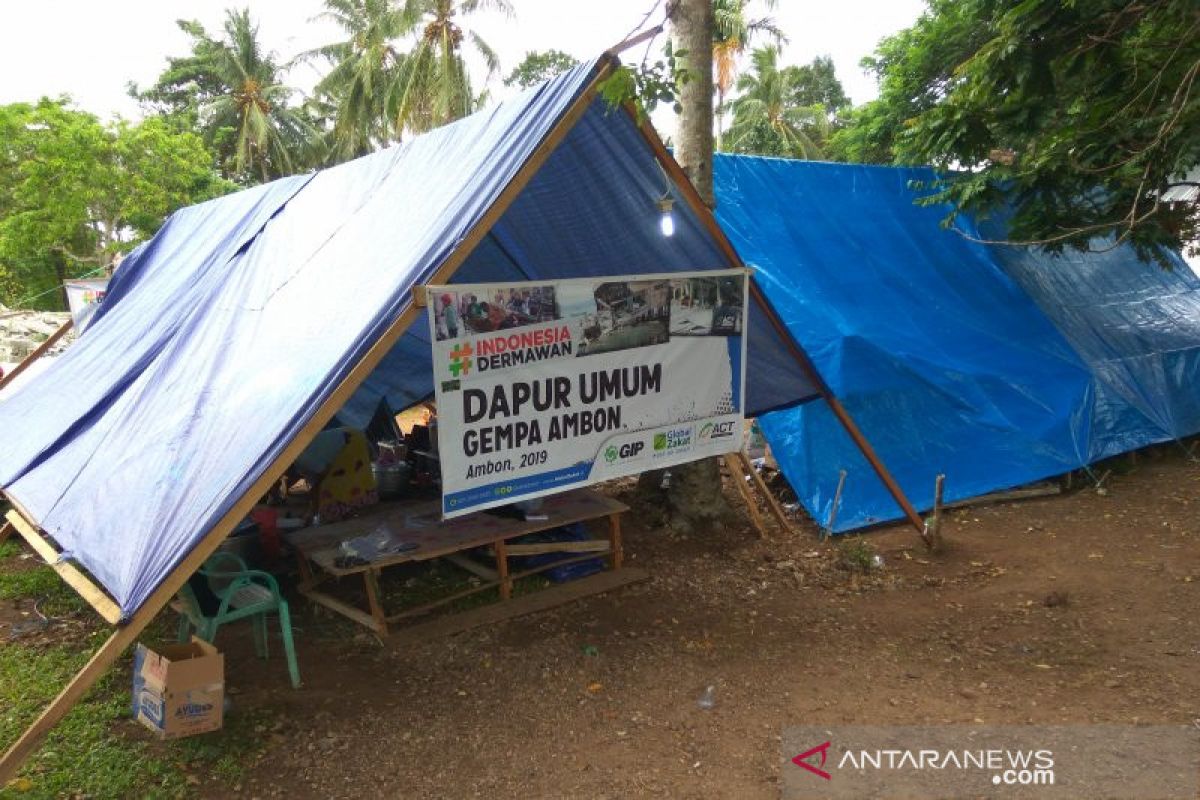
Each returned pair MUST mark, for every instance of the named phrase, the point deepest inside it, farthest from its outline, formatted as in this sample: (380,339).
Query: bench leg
(614,540)
(371,579)
(502,570)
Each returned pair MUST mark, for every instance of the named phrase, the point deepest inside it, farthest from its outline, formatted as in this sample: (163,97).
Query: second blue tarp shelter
(994,365)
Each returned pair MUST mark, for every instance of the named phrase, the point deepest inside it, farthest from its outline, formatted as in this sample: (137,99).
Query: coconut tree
(230,90)
(268,137)
(365,67)
(434,87)
(766,118)
(732,34)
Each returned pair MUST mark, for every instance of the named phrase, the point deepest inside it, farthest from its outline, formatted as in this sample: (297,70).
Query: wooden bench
(421,525)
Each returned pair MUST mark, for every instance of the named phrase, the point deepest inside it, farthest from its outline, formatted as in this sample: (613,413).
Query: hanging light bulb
(667,221)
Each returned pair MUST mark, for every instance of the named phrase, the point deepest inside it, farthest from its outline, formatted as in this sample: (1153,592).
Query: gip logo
(610,454)
(460,360)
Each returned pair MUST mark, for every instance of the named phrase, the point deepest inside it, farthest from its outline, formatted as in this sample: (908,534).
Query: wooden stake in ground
(933,529)
(837,501)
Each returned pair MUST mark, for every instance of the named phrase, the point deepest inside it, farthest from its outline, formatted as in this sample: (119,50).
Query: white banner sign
(548,385)
(84,298)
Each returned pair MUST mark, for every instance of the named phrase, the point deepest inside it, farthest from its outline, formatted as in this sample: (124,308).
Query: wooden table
(421,524)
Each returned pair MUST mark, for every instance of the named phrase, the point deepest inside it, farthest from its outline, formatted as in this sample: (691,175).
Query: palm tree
(365,69)
(766,119)
(270,139)
(732,33)
(434,87)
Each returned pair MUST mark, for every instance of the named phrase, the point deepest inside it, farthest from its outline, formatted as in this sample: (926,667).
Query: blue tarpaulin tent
(994,365)
(248,321)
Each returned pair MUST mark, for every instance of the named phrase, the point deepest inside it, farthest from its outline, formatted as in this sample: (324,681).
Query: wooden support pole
(772,504)
(71,574)
(839,411)
(123,637)
(739,480)
(6,530)
(38,353)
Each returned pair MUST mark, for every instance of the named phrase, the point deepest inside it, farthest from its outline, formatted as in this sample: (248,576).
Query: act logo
(802,760)
(460,360)
(716,430)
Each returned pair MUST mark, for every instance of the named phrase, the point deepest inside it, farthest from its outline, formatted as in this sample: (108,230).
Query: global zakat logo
(460,360)
(671,440)
(716,430)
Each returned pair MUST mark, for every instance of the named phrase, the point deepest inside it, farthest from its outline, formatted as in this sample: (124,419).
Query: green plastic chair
(243,593)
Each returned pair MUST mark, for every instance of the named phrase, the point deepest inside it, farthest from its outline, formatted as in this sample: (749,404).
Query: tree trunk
(692,33)
(693,498)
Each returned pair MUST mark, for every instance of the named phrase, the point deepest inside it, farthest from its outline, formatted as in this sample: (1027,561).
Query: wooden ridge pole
(38,353)
(704,213)
(125,636)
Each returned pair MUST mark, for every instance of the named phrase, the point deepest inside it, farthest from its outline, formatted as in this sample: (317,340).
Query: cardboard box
(179,689)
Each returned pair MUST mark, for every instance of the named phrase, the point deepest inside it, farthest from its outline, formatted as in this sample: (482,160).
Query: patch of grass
(10,549)
(42,584)
(81,755)
(855,555)
(98,750)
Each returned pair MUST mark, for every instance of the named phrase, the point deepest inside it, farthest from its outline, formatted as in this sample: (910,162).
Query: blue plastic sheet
(223,336)
(993,365)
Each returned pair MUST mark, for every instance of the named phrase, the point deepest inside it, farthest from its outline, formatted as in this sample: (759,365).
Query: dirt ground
(1076,608)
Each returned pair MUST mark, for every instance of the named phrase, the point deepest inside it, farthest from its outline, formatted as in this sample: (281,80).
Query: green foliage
(816,83)
(364,69)
(768,116)
(855,555)
(1077,116)
(539,67)
(74,192)
(733,31)
(433,86)
(230,90)
(648,84)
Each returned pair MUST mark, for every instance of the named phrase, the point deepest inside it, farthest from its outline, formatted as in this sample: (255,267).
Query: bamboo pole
(124,636)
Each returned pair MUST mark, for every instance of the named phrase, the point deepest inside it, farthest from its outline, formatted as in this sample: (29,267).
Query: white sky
(90,49)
